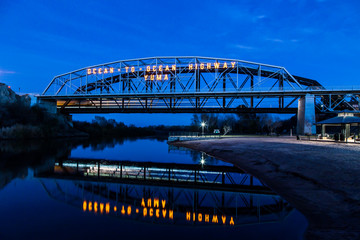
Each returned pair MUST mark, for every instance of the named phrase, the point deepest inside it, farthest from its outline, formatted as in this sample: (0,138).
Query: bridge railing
(184,134)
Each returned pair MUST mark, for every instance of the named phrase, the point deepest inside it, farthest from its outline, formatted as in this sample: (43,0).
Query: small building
(348,123)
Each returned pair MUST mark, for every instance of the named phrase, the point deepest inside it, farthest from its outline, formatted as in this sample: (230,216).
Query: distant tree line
(243,123)
(102,127)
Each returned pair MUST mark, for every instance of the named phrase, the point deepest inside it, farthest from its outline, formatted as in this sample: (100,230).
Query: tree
(227,129)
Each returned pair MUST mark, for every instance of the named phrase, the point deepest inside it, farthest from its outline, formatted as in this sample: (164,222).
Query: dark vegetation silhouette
(244,123)
(19,120)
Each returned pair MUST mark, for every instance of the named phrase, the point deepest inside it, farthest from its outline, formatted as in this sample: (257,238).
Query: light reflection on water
(62,193)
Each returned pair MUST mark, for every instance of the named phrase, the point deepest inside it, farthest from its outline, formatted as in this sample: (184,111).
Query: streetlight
(203,124)
(202,159)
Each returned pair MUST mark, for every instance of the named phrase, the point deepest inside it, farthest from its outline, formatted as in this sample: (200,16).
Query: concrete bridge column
(306,115)
(50,106)
(323,130)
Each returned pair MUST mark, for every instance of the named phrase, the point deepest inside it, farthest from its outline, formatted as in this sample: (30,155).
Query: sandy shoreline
(321,180)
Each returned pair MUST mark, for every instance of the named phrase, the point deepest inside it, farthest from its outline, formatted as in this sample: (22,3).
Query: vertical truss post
(197,84)
(224,89)
(259,73)
(128,80)
(98,169)
(121,170)
(252,89)
(70,82)
(281,87)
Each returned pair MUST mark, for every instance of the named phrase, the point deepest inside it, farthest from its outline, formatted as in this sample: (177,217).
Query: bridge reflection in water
(164,193)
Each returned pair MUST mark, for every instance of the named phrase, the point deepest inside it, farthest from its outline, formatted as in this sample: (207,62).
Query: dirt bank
(322,180)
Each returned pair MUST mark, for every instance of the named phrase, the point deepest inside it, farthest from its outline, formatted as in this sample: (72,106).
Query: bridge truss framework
(190,85)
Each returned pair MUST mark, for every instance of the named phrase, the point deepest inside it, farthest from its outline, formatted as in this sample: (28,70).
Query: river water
(136,188)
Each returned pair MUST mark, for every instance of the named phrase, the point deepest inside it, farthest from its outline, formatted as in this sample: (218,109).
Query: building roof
(341,120)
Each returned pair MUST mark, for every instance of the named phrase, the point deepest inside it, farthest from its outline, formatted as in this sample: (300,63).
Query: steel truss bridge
(220,178)
(132,197)
(189,85)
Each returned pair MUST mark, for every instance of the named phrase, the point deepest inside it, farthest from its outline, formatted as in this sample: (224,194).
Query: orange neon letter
(188,216)
(157,213)
(142,200)
(200,217)
(107,208)
(84,206)
(164,213)
(171,214)
(95,207)
(101,208)
(156,202)
(232,221)
(144,212)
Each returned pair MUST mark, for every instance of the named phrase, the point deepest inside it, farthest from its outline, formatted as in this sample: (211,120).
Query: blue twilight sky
(318,39)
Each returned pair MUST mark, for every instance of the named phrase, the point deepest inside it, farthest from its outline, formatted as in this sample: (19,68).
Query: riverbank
(320,179)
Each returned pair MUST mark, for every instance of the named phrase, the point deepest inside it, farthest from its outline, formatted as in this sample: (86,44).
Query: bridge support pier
(48,105)
(306,115)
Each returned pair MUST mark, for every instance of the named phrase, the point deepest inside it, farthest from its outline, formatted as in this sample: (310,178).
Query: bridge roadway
(142,102)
